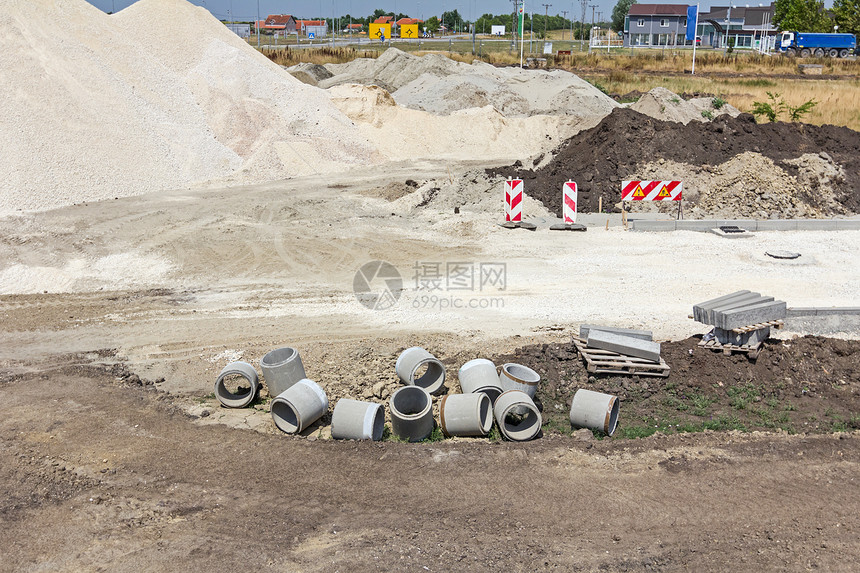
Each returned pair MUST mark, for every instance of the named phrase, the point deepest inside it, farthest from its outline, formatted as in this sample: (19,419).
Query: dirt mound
(308,73)
(661,103)
(807,384)
(625,142)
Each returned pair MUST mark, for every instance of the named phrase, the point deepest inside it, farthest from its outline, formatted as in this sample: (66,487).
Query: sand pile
(663,104)
(158,96)
(441,86)
(818,165)
(483,133)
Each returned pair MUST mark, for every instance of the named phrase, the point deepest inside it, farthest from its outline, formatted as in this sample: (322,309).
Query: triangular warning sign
(664,192)
(638,192)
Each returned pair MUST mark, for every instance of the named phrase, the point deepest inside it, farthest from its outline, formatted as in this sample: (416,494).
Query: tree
(802,16)
(432,24)
(847,13)
(452,20)
(620,12)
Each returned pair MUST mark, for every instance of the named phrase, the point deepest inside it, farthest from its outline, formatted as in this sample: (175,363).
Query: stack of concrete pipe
(503,394)
(624,341)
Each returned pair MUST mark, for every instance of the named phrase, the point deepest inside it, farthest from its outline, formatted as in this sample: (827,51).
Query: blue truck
(805,44)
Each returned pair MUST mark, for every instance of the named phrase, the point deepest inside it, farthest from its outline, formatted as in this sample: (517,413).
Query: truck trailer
(805,44)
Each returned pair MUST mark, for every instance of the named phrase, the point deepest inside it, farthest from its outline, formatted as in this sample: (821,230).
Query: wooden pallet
(771,323)
(728,349)
(608,362)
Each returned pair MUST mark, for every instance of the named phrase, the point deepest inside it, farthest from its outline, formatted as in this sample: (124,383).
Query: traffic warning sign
(568,202)
(651,190)
(514,200)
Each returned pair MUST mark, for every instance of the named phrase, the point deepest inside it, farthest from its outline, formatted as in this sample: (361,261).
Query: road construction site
(227,207)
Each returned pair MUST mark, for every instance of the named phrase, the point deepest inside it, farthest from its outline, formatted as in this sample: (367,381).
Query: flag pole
(522,21)
(695,29)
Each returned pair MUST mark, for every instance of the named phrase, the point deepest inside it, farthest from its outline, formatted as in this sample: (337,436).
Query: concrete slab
(641,334)
(653,225)
(699,308)
(816,225)
(748,300)
(837,311)
(738,234)
(752,338)
(747,315)
(703,225)
(626,345)
(801,311)
(848,224)
(776,225)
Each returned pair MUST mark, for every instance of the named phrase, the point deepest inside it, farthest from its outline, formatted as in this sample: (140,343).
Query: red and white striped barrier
(651,190)
(514,200)
(568,202)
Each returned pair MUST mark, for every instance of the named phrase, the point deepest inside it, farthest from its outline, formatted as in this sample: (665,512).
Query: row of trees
(453,20)
(811,16)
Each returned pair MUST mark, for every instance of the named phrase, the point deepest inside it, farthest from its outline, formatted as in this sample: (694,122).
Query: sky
(246,10)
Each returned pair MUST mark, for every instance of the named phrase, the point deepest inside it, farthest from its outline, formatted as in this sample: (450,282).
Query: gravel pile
(158,96)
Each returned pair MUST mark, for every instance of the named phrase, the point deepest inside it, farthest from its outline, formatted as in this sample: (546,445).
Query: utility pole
(257,25)
(593,7)
(564,17)
(514,23)
(545,16)
(584,4)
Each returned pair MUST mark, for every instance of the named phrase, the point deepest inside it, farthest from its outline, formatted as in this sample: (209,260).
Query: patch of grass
(676,404)
(436,435)
(718,102)
(741,396)
(389,436)
(701,404)
(675,100)
(772,402)
(556,425)
(724,424)
(757,83)
(634,432)
(495,434)
(789,407)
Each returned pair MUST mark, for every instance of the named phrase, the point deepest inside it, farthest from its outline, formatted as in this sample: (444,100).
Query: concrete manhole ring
(782,254)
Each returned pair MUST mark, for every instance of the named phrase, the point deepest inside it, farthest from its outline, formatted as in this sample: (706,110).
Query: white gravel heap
(666,105)
(438,85)
(158,96)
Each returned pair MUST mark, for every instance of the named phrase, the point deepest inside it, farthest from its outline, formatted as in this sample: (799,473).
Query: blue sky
(469,9)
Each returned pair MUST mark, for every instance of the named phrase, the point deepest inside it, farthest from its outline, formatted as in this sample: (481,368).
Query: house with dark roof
(283,23)
(655,25)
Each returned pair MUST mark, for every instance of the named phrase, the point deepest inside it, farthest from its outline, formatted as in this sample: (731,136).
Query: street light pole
(257,25)
(545,16)
(563,17)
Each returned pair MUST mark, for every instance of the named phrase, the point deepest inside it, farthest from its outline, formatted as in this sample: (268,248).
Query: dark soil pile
(806,385)
(599,158)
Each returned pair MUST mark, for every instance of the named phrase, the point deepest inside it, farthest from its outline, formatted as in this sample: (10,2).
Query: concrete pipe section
(282,368)
(299,406)
(412,361)
(466,414)
(517,416)
(354,420)
(594,411)
(411,409)
(480,375)
(241,396)
(519,377)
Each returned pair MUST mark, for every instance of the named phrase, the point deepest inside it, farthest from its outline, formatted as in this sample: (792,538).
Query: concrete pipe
(412,360)
(282,368)
(466,414)
(480,375)
(517,416)
(519,377)
(411,409)
(354,420)
(242,396)
(299,406)
(594,411)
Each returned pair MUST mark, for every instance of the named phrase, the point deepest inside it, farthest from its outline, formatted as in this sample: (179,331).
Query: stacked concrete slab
(739,310)
(625,341)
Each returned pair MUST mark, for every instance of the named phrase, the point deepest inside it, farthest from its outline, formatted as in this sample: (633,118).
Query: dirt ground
(598,159)
(116,317)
